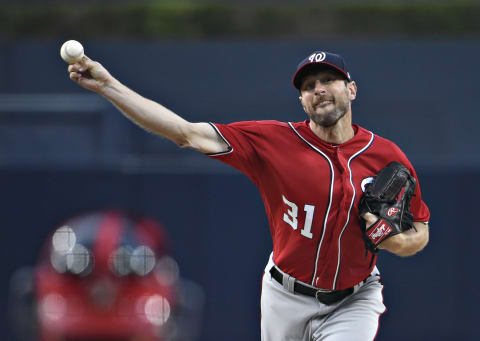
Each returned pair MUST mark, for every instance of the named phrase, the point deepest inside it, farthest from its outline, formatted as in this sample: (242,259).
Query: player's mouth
(323,103)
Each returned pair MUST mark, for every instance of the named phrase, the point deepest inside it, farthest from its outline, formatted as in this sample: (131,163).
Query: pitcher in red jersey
(319,284)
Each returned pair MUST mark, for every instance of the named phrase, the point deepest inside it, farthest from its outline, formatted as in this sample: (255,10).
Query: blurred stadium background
(65,151)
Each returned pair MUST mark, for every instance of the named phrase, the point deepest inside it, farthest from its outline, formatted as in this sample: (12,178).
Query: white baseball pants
(288,316)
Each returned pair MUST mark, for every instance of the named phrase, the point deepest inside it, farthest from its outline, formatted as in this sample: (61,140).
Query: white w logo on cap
(317,57)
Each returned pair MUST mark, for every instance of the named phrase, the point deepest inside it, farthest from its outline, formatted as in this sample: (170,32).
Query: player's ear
(352,90)
(300,98)
(301,102)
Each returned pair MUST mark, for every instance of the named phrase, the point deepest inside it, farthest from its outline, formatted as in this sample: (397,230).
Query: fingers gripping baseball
(89,74)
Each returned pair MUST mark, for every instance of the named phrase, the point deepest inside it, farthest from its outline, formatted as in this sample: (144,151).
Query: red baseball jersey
(311,190)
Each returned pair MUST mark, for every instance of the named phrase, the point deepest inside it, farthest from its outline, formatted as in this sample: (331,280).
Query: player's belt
(324,296)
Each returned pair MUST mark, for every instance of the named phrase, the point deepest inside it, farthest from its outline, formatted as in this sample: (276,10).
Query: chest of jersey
(311,194)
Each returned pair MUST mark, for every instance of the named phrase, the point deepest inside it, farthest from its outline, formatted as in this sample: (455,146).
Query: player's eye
(310,86)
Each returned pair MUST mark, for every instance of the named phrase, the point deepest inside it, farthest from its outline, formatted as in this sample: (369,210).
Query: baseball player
(321,282)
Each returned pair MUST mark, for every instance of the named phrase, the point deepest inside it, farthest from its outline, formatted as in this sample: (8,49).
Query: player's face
(326,97)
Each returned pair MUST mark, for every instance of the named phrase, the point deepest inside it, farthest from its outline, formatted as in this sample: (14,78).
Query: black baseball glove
(388,197)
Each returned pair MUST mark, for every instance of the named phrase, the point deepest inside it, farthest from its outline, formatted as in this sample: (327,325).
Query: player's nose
(320,88)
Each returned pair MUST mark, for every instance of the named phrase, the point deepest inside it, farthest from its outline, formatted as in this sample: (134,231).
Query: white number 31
(292,214)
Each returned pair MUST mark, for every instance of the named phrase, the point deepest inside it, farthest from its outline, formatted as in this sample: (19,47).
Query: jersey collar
(361,136)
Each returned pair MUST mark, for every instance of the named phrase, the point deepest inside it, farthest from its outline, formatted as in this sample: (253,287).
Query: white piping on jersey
(224,139)
(329,199)
(349,209)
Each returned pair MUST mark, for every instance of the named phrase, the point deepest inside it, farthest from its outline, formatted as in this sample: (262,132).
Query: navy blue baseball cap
(330,60)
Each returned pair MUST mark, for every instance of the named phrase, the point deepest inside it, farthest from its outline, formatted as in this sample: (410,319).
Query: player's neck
(339,133)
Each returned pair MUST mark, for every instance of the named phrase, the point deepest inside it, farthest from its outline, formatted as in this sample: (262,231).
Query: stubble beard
(330,118)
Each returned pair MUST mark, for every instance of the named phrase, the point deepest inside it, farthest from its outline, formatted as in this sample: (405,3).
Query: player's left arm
(409,242)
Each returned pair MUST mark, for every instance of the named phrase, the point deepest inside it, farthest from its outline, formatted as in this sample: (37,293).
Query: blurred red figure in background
(108,276)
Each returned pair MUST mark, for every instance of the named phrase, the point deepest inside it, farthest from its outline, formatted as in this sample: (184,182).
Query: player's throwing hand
(90,74)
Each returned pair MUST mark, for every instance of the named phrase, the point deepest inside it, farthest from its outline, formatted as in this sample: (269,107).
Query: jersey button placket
(345,200)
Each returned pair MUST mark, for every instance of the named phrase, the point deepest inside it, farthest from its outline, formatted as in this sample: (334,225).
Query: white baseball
(71,51)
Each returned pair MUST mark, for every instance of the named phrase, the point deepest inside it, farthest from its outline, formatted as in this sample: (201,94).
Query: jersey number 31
(292,214)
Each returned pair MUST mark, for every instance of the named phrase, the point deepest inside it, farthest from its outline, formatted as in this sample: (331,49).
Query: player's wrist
(110,88)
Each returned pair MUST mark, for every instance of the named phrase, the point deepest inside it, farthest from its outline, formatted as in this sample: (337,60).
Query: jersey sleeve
(243,139)
(419,209)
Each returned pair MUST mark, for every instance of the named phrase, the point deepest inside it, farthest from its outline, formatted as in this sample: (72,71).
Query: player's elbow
(423,235)
(425,241)
(182,142)
(179,140)
(416,243)
(184,136)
